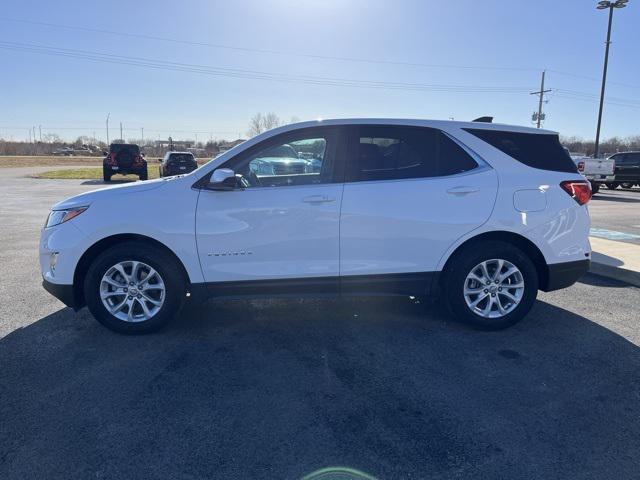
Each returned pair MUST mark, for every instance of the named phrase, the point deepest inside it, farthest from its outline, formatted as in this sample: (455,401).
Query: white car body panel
(385,226)
(269,233)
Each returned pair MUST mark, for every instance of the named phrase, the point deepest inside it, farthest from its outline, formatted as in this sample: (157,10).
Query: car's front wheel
(492,285)
(134,288)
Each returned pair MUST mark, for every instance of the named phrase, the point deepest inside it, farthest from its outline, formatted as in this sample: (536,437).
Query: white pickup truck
(596,170)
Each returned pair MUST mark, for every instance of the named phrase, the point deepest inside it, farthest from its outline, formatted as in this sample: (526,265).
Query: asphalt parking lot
(276,389)
(618,211)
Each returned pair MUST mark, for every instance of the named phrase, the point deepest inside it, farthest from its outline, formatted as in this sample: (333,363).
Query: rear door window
(536,150)
(394,152)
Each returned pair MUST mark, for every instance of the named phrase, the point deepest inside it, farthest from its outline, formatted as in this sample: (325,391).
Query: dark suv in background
(627,170)
(124,158)
(176,163)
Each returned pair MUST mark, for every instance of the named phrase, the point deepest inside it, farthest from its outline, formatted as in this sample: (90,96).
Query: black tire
(595,188)
(157,258)
(106,176)
(160,172)
(464,262)
(144,175)
(612,185)
(627,185)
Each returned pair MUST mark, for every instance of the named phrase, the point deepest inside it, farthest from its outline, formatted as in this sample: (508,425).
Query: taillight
(581,166)
(111,160)
(580,190)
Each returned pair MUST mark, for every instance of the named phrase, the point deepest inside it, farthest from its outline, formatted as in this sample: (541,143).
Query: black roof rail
(484,119)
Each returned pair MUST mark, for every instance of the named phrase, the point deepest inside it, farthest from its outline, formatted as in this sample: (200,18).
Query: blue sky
(491,52)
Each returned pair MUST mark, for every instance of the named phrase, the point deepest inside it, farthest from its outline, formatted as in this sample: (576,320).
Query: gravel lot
(277,389)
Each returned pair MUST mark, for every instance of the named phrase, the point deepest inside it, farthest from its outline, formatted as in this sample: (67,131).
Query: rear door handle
(317,199)
(462,190)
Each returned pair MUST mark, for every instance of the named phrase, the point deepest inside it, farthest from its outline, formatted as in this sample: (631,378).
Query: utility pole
(29,135)
(602,6)
(538,117)
(108,115)
(40,132)
(142,131)
(121,132)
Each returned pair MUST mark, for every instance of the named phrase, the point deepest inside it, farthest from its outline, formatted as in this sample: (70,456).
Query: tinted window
(535,150)
(634,158)
(181,157)
(392,153)
(124,147)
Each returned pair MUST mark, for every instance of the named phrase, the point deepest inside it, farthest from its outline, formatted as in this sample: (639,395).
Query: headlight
(56,217)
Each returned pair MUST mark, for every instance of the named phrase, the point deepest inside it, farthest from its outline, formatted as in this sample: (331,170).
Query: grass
(47,160)
(57,161)
(90,173)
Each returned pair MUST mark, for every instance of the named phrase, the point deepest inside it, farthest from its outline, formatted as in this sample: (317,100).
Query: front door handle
(462,190)
(317,199)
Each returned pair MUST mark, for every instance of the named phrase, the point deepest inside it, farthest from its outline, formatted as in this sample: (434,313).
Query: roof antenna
(484,119)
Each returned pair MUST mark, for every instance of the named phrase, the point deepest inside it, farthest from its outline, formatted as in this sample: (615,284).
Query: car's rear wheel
(106,176)
(134,288)
(612,185)
(595,188)
(492,285)
(144,175)
(627,185)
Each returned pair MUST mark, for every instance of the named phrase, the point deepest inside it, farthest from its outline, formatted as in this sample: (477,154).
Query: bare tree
(271,120)
(255,125)
(261,123)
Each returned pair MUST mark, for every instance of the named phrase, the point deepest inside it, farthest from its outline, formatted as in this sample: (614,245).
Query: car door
(628,168)
(410,192)
(621,163)
(282,223)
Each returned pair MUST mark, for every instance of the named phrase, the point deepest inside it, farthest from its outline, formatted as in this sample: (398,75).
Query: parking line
(612,234)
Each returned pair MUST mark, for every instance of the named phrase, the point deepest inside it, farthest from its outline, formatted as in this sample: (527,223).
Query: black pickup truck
(627,171)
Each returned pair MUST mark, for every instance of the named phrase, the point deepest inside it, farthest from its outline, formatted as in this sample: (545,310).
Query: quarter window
(392,153)
(537,150)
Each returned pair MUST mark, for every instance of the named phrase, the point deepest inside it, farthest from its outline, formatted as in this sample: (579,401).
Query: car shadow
(112,182)
(277,389)
(596,280)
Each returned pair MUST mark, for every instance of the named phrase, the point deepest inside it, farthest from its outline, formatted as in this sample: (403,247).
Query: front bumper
(562,275)
(64,293)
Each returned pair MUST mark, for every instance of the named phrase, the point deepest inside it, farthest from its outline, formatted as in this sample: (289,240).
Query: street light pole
(601,6)
(108,115)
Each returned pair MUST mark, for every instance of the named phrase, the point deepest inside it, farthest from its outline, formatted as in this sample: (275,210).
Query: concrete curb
(617,273)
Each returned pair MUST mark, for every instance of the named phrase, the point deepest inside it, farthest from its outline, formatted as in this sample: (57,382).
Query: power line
(251,74)
(299,54)
(260,50)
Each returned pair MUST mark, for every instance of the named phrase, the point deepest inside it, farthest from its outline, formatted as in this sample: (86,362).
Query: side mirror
(222,179)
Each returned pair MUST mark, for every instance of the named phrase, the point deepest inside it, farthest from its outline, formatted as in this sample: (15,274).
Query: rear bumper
(562,275)
(64,293)
(600,178)
(176,170)
(125,170)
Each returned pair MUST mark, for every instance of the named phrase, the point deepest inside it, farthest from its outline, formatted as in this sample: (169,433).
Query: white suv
(482,215)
